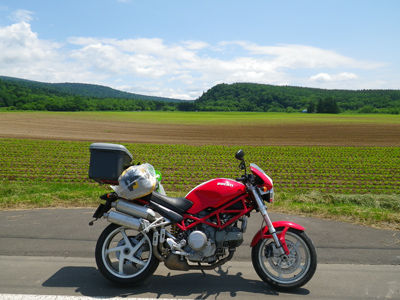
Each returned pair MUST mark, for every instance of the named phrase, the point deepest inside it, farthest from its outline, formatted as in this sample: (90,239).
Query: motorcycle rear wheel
(290,271)
(125,256)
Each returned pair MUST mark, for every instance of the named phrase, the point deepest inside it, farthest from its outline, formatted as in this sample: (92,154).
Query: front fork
(281,247)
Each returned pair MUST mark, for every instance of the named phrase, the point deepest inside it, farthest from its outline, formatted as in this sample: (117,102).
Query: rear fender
(263,233)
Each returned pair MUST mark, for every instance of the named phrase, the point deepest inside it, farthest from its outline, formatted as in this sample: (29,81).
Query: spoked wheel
(125,256)
(287,271)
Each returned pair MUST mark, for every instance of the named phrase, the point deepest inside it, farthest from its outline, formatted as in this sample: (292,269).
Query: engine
(205,243)
(200,247)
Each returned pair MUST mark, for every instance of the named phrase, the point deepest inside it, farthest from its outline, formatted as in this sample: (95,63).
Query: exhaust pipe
(124,220)
(134,210)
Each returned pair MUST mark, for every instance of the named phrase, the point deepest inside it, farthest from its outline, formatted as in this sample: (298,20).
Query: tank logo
(225,184)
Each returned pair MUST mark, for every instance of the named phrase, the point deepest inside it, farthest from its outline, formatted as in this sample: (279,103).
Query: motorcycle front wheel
(288,271)
(125,256)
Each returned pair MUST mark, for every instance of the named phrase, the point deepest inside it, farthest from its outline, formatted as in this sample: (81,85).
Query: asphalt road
(51,252)
(66,233)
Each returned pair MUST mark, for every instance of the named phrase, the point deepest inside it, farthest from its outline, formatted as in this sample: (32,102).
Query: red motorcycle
(200,231)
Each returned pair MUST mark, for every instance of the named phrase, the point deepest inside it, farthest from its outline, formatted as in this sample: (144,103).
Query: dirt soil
(31,126)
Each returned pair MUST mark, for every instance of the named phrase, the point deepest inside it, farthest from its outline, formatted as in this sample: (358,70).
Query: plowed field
(304,131)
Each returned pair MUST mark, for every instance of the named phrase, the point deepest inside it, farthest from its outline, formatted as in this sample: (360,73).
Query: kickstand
(91,222)
(202,271)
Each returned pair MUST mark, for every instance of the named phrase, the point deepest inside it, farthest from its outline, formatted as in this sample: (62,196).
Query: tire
(287,273)
(125,256)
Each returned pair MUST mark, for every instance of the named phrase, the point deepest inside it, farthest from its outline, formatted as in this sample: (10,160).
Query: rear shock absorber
(174,230)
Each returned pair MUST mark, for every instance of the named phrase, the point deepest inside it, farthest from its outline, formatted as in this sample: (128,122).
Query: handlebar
(242,179)
(246,178)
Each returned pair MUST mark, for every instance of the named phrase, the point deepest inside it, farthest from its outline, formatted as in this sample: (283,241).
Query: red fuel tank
(214,193)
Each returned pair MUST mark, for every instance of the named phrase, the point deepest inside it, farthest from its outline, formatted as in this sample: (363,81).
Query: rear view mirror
(239,155)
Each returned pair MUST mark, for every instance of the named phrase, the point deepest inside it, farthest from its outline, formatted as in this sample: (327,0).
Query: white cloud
(24,55)
(195,45)
(301,56)
(22,15)
(152,66)
(325,77)
(20,45)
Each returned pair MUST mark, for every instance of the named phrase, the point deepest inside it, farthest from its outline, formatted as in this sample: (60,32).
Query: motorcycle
(201,231)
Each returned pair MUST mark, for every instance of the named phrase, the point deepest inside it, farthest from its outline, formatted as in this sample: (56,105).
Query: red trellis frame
(246,204)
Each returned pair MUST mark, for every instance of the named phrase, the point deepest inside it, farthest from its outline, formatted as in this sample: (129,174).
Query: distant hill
(263,97)
(83,90)
(20,94)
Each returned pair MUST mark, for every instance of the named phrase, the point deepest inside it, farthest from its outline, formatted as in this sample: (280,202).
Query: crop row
(373,170)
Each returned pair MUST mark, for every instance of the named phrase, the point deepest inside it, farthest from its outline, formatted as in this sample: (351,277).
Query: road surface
(49,254)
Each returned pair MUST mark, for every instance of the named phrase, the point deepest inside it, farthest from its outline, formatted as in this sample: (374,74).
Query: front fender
(263,232)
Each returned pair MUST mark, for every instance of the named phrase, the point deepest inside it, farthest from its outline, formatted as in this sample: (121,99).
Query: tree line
(269,98)
(222,97)
(14,96)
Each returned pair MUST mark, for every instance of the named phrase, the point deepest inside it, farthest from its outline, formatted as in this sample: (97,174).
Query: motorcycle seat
(179,205)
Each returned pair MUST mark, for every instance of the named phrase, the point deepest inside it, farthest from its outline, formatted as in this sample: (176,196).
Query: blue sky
(180,49)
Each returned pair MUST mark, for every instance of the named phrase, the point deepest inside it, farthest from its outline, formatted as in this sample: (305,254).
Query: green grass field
(223,118)
(357,184)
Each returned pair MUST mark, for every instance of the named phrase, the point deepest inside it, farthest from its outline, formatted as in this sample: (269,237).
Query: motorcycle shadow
(171,284)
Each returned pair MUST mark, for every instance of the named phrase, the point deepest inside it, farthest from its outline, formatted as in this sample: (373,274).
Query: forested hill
(81,89)
(261,97)
(19,94)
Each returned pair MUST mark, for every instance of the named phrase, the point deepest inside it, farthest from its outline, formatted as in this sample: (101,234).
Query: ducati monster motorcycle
(201,231)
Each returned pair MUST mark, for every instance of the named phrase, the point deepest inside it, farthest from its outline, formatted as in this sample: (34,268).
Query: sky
(182,48)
